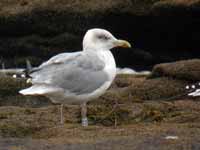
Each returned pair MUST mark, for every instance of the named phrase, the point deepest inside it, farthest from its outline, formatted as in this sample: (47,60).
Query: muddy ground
(138,113)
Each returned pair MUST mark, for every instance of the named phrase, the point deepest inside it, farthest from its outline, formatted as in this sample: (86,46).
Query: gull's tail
(28,68)
(39,90)
(33,90)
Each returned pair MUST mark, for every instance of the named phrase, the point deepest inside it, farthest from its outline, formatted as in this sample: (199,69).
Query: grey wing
(57,59)
(63,57)
(79,74)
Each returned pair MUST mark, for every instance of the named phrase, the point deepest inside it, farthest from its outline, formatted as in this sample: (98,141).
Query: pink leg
(61,114)
(84,120)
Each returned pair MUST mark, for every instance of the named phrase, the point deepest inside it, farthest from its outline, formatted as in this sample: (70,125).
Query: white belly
(109,60)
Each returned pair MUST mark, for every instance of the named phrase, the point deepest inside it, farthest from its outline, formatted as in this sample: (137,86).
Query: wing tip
(25,92)
(39,90)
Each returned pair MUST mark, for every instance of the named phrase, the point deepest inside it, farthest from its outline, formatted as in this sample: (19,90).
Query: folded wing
(78,73)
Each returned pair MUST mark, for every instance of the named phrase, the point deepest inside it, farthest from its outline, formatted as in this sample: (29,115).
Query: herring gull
(78,77)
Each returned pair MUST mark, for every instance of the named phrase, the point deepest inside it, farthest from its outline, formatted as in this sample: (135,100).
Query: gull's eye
(103,37)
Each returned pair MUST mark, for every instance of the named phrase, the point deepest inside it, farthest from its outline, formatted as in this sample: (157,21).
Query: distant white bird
(14,76)
(23,76)
(187,87)
(80,76)
(194,89)
(195,93)
(131,71)
(171,137)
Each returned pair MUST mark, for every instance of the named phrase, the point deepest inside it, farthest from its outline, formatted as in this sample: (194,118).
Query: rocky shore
(137,112)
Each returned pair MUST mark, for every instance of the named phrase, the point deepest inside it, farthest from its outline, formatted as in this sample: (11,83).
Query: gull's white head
(100,39)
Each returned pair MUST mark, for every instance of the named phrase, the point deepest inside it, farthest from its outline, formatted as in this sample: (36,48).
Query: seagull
(78,77)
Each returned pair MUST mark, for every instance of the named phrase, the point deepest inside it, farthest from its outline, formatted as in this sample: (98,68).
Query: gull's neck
(107,57)
(110,65)
(89,46)
(94,49)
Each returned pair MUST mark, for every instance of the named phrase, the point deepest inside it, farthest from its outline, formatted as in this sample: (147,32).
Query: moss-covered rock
(9,93)
(11,86)
(131,100)
(183,70)
(35,122)
(158,89)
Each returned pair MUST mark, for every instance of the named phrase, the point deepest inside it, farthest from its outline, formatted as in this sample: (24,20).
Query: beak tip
(123,43)
(129,45)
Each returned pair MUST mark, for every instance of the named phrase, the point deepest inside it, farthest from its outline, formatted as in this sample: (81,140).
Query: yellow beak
(122,43)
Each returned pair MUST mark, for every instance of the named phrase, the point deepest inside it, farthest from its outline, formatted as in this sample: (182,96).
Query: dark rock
(41,29)
(9,94)
(176,7)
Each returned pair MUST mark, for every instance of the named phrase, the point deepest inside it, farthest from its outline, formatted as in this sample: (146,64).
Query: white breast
(110,68)
(108,59)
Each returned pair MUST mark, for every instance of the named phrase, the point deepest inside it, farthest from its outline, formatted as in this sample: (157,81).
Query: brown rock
(183,70)
(178,7)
